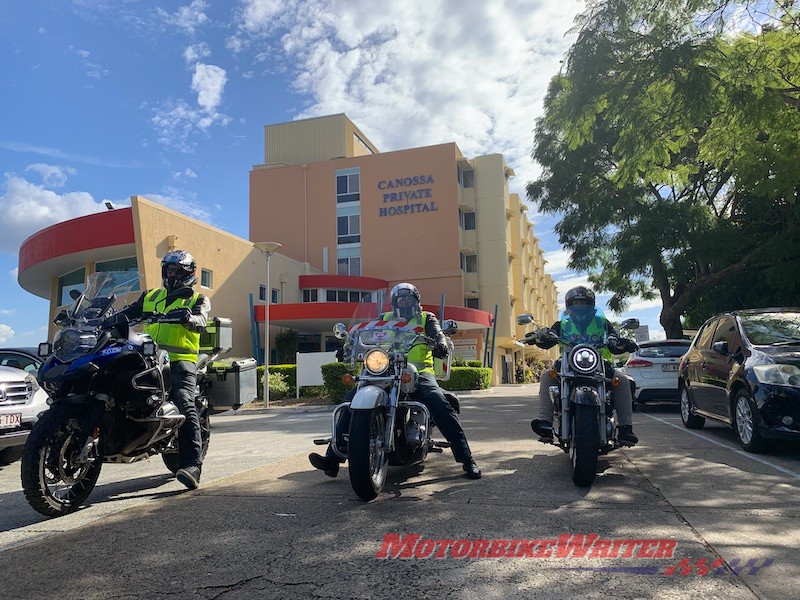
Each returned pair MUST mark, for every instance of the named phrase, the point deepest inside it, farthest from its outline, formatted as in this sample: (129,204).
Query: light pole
(268,249)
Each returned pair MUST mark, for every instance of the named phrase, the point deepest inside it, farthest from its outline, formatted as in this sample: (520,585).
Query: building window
(472,303)
(206,278)
(348,185)
(466,220)
(310,295)
(469,263)
(275,297)
(346,296)
(466,177)
(348,229)
(262,293)
(71,281)
(348,266)
(129,272)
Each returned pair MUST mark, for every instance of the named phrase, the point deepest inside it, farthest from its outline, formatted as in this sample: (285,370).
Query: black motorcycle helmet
(405,300)
(182,270)
(579,295)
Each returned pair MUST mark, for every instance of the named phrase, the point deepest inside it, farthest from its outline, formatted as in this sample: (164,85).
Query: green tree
(286,345)
(669,146)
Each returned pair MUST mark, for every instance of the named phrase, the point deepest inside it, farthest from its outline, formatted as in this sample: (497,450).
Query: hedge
(332,375)
(468,378)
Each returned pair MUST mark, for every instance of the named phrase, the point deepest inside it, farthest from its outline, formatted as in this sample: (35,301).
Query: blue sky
(105,99)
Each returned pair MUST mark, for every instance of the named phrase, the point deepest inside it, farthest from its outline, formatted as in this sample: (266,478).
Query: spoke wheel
(367,452)
(54,482)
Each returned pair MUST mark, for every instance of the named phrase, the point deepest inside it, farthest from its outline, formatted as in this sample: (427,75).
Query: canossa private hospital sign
(406,195)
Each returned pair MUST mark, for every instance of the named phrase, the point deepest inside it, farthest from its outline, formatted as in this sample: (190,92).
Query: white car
(21,403)
(654,369)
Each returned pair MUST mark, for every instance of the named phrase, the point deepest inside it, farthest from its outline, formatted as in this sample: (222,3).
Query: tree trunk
(671,322)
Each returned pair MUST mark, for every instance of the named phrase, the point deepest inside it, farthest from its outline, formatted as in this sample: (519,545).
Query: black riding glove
(179,316)
(440,351)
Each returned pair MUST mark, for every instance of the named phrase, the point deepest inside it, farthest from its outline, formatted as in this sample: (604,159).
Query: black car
(743,368)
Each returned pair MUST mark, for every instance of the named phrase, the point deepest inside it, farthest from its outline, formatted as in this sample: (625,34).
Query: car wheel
(746,422)
(690,421)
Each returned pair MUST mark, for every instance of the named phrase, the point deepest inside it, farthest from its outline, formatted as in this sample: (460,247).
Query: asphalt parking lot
(265,524)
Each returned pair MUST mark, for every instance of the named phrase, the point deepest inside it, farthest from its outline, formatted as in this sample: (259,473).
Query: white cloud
(195,52)
(92,69)
(5,312)
(209,83)
(185,173)
(28,208)
(557,261)
(183,202)
(473,73)
(14,273)
(186,18)
(6,333)
(52,175)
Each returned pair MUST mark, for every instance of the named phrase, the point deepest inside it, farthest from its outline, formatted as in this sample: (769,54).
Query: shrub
(278,387)
(474,363)
(332,375)
(289,372)
(468,378)
(313,391)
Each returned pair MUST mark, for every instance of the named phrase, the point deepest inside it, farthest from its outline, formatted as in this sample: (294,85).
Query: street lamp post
(267,249)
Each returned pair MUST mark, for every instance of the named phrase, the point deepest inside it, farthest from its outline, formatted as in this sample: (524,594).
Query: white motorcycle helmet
(406,301)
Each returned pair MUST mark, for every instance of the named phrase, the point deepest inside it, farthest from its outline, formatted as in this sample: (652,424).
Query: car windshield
(663,351)
(772,328)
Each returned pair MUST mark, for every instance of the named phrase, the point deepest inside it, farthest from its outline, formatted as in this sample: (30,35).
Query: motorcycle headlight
(376,361)
(73,343)
(778,374)
(584,360)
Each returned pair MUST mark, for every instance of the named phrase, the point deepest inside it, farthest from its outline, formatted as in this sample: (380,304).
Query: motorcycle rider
(187,312)
(406,306)
(586,325)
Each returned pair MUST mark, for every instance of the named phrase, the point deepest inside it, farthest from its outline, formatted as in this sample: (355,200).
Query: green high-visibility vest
(593,334)
(420,355)
(177,340)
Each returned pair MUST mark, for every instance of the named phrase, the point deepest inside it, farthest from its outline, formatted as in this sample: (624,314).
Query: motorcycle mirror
(630,324)
(74,294)
(449,327)
(44,349)
(340,331)
(525,319)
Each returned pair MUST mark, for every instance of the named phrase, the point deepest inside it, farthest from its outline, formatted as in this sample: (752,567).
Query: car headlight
(31,384)
(778,374)
(376,361)
(584,359)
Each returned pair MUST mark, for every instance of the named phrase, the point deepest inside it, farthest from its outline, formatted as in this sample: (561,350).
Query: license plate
(669,367)
(9,421)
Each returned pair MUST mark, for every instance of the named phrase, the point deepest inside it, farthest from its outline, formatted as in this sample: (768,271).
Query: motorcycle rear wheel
(54,484)
(367,458)
(584,446)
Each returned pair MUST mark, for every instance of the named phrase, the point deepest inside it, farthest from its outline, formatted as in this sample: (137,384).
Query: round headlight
(584,360)
(376,361)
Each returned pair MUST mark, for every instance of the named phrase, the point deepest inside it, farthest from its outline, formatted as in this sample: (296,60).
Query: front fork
(561,396)
(90,430)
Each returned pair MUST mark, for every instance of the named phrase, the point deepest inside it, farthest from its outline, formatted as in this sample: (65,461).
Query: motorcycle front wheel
(53,482)
(367,452)
(585,442)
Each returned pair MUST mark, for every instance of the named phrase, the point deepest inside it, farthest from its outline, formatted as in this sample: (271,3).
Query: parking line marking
(739,451)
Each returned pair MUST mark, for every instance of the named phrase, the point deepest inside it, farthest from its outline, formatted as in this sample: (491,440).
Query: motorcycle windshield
(583,325)
(374,325)
(106,292)
(106,289)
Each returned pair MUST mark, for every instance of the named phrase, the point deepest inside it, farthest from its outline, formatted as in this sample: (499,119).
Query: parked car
(654,369)
(21,400)
(743,368)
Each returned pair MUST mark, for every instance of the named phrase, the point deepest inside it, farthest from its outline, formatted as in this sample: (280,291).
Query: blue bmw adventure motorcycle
(109,396)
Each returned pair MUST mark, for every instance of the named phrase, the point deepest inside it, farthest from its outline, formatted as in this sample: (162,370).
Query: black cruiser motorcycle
(109,396)
(386,426)
(583,422)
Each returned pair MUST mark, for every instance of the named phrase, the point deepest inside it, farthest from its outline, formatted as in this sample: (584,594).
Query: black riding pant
(184,388)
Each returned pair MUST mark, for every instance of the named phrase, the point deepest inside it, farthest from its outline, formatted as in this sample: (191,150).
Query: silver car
(21,400)
(654,368)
